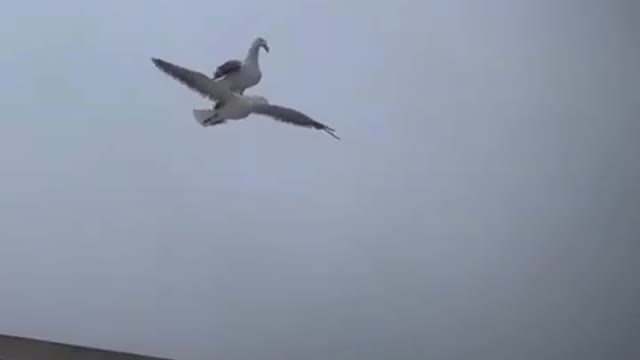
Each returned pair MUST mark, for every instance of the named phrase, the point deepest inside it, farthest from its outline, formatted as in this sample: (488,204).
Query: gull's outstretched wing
(290,116)
(227,68)
(194,80)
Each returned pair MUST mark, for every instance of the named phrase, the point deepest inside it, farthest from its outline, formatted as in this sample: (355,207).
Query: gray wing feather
(291,116)
(194,80)
(227,68)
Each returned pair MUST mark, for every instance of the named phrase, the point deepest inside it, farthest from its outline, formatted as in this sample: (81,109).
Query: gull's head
(260,42)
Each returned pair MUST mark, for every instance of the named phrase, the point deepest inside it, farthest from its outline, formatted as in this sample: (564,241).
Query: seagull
(240,75)
(230,105)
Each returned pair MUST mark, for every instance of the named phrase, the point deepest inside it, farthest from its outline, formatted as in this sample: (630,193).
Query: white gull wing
(194,80)
(290,116)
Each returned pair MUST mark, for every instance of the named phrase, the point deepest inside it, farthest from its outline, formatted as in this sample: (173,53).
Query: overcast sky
(484,202)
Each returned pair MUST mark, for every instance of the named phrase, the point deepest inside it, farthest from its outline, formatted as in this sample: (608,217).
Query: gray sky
(484,202)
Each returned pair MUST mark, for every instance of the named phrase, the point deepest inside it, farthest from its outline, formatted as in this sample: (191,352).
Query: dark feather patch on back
(227,68)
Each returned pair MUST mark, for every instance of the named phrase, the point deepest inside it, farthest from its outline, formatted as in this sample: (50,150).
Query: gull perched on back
(230,105)
(241,75)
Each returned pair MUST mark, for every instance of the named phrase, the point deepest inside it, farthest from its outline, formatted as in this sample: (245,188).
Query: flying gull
(240,75)
(230,105)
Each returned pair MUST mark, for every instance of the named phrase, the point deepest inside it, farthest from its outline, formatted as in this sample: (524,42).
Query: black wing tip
(159,63)
(330,131)
(165,66)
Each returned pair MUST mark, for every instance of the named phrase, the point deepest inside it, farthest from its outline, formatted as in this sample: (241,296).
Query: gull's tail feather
(205,117)
(201,115)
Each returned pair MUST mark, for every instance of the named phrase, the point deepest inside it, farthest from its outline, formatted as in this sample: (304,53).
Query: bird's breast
(237,108)
(253,76)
